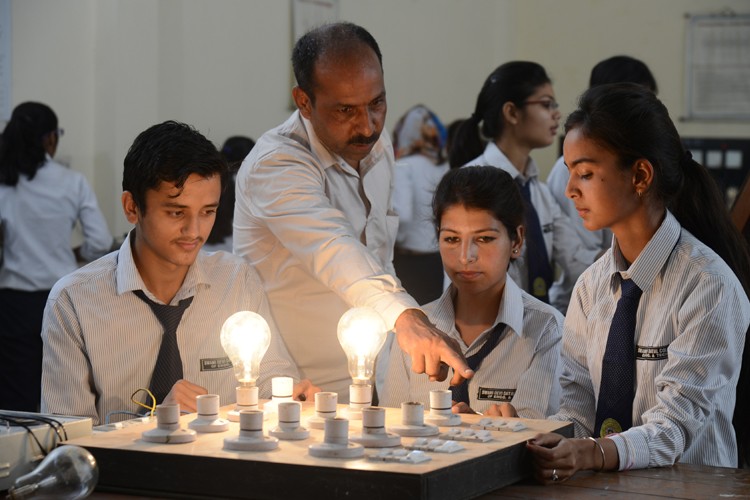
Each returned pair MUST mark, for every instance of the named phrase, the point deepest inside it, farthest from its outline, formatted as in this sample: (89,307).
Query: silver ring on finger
(555,477)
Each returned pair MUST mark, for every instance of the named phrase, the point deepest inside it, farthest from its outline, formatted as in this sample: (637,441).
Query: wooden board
(203,469)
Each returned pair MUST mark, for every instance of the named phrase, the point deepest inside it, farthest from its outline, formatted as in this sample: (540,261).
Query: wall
(111,68)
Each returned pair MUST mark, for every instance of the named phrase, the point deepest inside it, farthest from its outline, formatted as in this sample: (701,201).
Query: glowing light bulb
(67,472)
(361,332)
(245,337)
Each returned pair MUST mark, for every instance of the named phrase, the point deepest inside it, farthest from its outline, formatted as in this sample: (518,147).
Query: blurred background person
(40,203)
(616,69)
(515,113)
(234,150)
(419,146)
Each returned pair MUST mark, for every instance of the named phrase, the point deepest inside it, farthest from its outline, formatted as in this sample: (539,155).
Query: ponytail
(467,144)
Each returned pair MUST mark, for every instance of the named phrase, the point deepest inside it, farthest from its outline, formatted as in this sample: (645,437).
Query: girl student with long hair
(40,203)
(675,246)
(515,113)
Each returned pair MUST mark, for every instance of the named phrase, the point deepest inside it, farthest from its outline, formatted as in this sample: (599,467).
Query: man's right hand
(431,350)
(184,394)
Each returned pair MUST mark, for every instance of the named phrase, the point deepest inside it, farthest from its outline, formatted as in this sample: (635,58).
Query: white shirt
(523,368)
(564,248)
(596,241)
(690,333)
(39,216)
(101,341)
(302,219)
(417,176)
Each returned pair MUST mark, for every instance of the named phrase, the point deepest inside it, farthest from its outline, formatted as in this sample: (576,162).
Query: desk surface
(679,481)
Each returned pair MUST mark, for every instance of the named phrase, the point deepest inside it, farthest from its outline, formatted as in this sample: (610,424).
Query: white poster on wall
(718,67)
(308,14)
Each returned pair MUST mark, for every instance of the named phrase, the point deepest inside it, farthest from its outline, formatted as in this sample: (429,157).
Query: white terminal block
(400,456)
(436,445)
(441,401)
(469,435)
(325,408)
(247,399)
(336,442)
(289,427)
(360,396)
(208,415)
(374,434)
(282,389)
(168,429)
(251,436)
(412,421)
(499,424)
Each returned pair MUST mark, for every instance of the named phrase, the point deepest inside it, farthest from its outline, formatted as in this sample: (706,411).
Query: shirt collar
(129,279)
(497,158)
(510,311)
(652,258)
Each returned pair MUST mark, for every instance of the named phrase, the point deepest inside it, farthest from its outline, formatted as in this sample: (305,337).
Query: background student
(41,201)
(516,110)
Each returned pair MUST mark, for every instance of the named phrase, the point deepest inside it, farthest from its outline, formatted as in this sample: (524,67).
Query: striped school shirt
(101,341)
(690,331)
(522,369)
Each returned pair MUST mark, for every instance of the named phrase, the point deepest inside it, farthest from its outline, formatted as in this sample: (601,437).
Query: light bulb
(245,337)
(361,332)
(67,472)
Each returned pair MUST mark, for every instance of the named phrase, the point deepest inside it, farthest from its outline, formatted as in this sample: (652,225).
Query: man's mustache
(363,139)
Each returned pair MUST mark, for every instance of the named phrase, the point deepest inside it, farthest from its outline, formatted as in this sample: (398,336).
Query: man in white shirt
(313,212)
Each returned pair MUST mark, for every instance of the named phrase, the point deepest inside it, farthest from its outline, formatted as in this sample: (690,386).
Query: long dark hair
(512,82)
(22,148)
(630,121)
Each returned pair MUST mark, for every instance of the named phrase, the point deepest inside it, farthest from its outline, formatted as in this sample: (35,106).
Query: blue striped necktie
(538,264)
(614,408)
(460,393)
(168,368)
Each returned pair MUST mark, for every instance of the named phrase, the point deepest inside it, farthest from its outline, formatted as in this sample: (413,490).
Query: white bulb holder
(208,419)
(325,408)
(336,442)
(441,414)
(289,427)
(360,397)
(251,436)
(374,434)
(247,399)
(412,422)
(168,429)
(282,390)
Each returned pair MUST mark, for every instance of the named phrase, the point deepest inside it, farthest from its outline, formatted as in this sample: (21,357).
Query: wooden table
(679,481)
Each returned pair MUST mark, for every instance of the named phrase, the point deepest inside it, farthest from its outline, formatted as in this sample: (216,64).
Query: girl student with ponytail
(40,203)
(515,113)
(673,240)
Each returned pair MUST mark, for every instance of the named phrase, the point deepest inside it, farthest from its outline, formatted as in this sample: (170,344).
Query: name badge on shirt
(215,364)
(491,394)
(649,353)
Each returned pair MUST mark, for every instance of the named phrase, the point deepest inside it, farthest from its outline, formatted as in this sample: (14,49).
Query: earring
(515,250)
(639,192)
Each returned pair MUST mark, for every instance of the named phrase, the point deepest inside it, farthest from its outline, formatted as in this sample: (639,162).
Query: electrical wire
(28,421)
